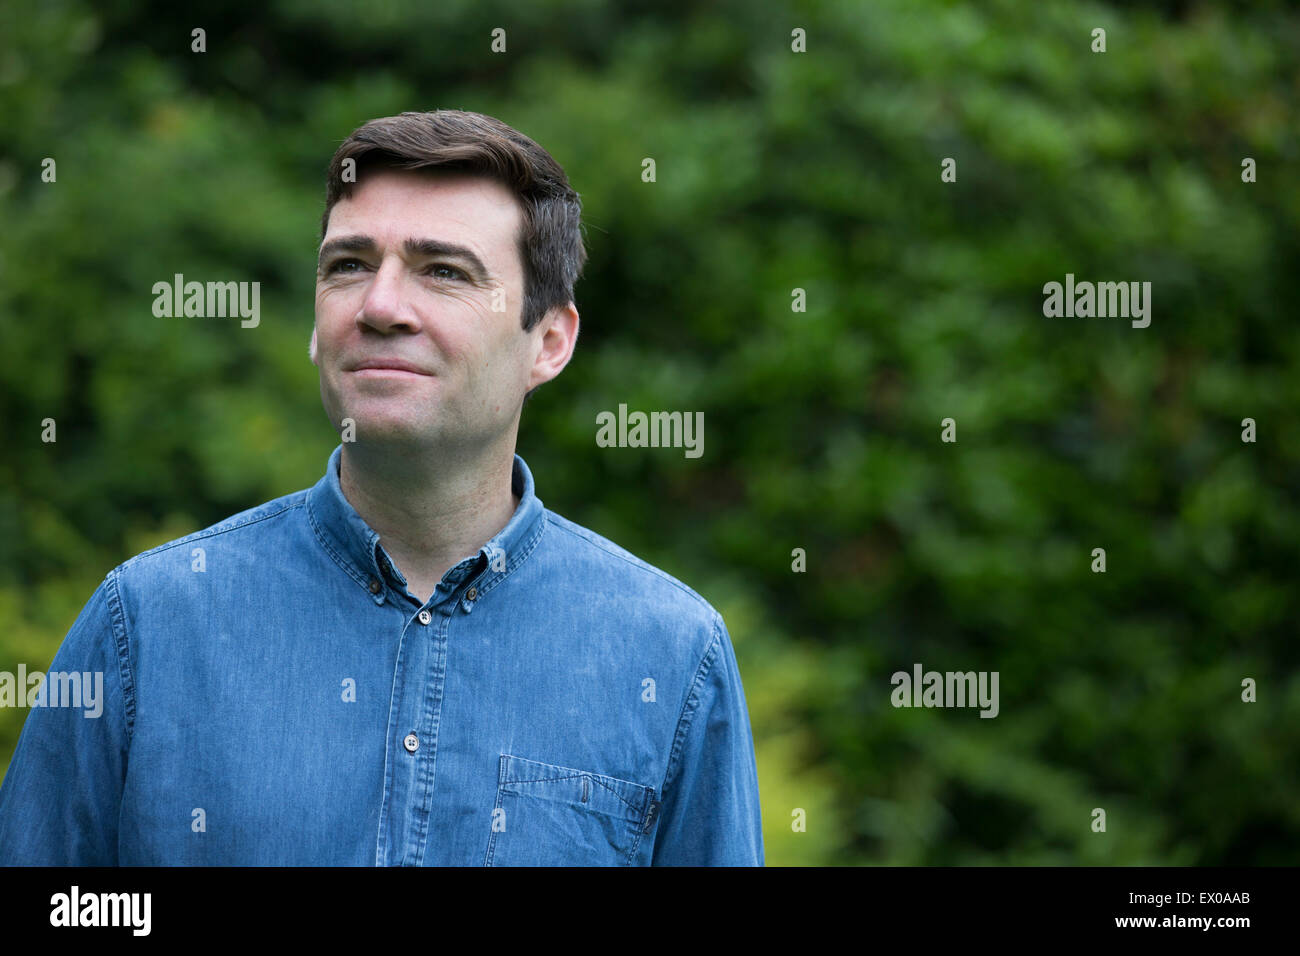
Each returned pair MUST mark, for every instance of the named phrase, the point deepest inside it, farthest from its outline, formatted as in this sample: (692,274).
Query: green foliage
(775,171)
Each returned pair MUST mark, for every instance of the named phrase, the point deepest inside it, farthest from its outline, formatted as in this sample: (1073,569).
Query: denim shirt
(274,695)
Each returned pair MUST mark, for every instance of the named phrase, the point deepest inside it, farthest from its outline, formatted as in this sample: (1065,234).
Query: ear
(311,349)
(557,335)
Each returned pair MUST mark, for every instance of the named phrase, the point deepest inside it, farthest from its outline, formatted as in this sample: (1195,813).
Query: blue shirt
(273,694)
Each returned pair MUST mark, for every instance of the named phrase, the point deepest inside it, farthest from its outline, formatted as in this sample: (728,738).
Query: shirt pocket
(548,815)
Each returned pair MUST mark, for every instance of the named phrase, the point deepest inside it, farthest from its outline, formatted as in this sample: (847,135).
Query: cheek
(332,324)
(488,366)
(335,305)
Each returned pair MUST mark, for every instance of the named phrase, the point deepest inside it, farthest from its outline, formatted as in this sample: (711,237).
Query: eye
(338,264)
(442,266)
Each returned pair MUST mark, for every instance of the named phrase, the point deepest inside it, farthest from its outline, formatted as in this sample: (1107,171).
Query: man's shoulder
(601,564)
(244,529)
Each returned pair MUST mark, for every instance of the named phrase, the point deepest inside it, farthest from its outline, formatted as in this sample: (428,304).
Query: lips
(388,365)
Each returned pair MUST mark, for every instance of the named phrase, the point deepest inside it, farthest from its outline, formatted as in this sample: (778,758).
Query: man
(413,662)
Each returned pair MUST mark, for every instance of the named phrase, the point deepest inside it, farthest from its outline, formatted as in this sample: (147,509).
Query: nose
(385,308)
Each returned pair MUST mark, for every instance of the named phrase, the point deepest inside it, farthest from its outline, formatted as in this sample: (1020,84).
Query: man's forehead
(396,204)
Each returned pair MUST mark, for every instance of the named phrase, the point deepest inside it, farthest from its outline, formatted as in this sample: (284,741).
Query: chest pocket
(547,815)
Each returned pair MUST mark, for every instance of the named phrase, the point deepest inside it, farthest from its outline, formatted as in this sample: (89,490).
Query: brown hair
(550,237)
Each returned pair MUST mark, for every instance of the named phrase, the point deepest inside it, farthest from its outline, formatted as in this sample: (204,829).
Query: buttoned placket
(421,633)
(418,686)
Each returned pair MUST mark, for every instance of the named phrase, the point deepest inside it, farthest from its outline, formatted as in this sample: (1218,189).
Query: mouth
(384,367)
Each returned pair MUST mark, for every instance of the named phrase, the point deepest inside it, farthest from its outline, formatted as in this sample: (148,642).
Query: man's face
(406,339)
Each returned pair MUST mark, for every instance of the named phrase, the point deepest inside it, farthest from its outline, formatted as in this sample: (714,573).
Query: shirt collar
(355,546)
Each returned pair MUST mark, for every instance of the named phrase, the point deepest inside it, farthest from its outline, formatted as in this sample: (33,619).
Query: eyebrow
(415,248)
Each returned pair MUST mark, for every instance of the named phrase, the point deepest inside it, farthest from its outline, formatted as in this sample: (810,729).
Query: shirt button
(471,594)
(375,586)
(411,743)
(425,617)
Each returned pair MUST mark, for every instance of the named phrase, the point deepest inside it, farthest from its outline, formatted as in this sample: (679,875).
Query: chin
(382,420)
(389,431)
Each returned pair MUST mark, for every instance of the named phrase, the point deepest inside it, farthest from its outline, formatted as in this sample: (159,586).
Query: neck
(430,509)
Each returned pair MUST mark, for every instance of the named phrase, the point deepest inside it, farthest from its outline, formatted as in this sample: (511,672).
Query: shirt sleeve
(62,794)
(710,812)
